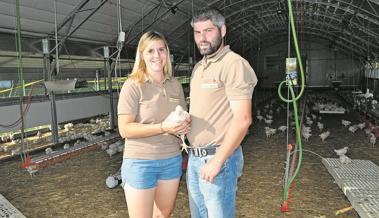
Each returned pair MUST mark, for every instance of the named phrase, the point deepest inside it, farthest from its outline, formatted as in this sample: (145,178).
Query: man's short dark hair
(211,14)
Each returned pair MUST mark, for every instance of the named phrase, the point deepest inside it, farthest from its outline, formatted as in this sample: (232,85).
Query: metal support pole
(45,51)
(335,64)
(110,91)
(97,81)
(54,122)
(53,107)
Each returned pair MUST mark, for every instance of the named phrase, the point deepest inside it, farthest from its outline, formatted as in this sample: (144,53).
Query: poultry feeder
(33,164)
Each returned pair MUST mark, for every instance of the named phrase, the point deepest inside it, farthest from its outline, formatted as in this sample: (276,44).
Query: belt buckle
(200,152)
(203,152)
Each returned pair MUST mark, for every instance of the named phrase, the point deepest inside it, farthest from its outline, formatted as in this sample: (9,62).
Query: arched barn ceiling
(351,26)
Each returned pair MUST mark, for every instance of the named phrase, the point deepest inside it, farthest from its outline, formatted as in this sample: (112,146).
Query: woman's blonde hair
(139,69)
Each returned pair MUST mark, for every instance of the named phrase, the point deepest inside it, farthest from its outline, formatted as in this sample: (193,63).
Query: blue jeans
(217,199)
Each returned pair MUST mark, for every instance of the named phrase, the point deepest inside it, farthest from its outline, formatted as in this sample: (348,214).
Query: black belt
(204,151)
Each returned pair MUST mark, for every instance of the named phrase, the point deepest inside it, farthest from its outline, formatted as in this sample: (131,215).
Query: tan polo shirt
(216,80)
(151,104)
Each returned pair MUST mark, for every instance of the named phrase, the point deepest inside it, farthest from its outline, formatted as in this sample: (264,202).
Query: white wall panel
(67,110)
(323,66)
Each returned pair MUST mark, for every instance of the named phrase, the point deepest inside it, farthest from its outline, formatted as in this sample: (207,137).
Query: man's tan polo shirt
(151,104)
(217,80)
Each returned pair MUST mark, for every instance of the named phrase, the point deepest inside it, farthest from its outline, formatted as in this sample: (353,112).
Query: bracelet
(160,126)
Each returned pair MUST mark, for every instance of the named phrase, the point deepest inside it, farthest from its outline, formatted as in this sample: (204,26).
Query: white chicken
(39,134)
(309,122)
(111,150)
(361,125)
(320,126)
(345,122)
(48,151)
(178,116)
(353,128)
(345,159)
(341,151)
(260,118)
(66,146)
(282,128)
(114,180)
(324,135)
(258,112)
(16,151)
(269,122)
(68,126)
(373,140)
(306,129)
(306,135)
(104,146)
(269,131)
(5,138)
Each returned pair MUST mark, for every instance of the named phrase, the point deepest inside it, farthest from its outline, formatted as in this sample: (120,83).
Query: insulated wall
(67,110)
(321,63)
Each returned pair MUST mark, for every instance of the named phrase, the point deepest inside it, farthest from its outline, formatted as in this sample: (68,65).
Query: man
(221,88)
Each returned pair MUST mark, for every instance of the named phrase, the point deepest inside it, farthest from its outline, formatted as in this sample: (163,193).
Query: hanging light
(174,9)
(60,85)
(279,10)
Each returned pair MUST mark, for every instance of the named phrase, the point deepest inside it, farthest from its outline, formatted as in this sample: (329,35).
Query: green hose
(20,74)
(293,100)
(285,192)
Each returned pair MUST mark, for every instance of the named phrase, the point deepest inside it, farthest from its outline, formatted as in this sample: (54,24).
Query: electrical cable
(120,45)
(26,109)
(290,84)
(56,38)
(312,152)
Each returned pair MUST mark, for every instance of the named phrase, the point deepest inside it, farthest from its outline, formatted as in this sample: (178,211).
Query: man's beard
(212,48)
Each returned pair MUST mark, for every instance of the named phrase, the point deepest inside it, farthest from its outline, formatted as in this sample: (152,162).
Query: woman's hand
(176,128)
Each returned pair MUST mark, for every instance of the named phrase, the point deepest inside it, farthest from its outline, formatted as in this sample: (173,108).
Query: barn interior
(311,150)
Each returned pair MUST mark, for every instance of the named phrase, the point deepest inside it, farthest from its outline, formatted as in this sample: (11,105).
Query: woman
(151,168)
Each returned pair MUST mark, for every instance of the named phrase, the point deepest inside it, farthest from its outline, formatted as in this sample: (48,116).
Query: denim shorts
(217,199)
(144,174)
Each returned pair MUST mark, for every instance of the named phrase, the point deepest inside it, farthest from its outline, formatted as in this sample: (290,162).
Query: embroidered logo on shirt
(210,85)
(173,99)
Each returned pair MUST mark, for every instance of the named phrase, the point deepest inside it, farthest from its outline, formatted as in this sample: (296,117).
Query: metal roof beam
(351,11)
(141,19)
(71,15)
(374,10)
(320,24)
(62,41)
(80,24)
(176,4)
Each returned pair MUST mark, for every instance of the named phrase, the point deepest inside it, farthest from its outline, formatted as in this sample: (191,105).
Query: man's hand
(210,170)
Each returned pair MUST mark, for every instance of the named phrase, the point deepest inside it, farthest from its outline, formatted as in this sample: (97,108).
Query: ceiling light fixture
(174,9)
